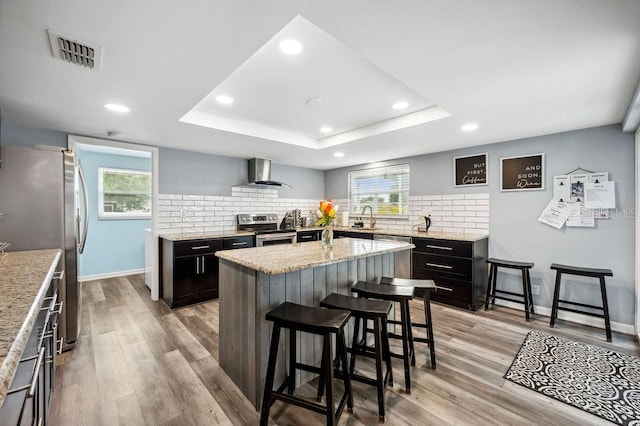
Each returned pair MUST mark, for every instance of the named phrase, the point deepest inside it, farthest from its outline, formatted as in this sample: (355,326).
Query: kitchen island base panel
(247,295)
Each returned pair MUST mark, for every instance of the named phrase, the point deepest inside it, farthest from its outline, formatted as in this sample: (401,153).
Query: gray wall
(29,136)
(514,230)
(185,172)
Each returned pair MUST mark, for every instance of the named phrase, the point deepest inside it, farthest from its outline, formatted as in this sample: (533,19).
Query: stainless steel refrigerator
(43,205)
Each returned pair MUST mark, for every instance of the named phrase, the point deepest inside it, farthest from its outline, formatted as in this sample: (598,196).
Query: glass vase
(327,237)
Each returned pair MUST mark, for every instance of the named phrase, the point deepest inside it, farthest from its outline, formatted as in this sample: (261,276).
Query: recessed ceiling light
(339,154)
(371,161)
(400,105)
(224,99)
(470,127)
(117,107)
(314,101)
(290,47)
(326,129)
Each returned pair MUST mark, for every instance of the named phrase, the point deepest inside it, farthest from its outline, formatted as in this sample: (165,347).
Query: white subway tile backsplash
(193,197)
(181,203)
(483,196)
(169,197)
(210,213)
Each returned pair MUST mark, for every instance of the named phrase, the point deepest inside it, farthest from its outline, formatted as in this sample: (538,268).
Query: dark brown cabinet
(189,271)
(190,268)
(458,268)
(28,400)
(311,235)
(348,234)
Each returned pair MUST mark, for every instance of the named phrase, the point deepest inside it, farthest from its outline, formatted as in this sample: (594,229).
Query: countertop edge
(11,361)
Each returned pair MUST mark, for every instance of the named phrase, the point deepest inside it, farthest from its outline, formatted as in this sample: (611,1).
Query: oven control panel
(257,219)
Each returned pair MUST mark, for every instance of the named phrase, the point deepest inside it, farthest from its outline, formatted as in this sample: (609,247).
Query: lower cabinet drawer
(238,242)
(444,266)
(196,247)
(452,288)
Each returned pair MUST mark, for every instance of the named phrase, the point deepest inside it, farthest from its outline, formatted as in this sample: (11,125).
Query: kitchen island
(255,280)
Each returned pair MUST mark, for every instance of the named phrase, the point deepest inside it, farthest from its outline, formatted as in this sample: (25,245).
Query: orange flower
(326,213)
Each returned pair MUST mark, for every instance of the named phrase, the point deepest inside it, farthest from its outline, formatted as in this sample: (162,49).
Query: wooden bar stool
(402,295)
(377,311)
(584,272)
(526,295)
(423,288)
(321,321)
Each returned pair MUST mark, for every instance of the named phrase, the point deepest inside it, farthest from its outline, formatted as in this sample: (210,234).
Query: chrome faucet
(371,218)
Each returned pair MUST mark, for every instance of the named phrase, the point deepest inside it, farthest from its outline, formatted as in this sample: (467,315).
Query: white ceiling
(518,69)
(289,98)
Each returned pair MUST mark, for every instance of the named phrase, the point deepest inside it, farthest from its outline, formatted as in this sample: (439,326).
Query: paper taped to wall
(555,214)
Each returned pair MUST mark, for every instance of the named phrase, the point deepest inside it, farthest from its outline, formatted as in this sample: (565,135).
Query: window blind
(385,189)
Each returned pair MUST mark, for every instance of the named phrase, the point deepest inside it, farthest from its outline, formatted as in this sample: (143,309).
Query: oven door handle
(269,237)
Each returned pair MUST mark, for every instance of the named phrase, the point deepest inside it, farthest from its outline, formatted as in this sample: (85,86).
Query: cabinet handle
(199,247)
(52,304)
(306,237)
(444,288)
(203,264)
(60,344)
(59,311)
(239,244)
(440,247)
(197,265)
(437,265)
(36,373)
(58,275)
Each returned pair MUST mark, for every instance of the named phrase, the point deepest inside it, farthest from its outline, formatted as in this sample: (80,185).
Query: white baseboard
(110,275)
(573,317)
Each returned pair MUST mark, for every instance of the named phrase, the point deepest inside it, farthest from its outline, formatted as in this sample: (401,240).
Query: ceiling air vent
(75,51)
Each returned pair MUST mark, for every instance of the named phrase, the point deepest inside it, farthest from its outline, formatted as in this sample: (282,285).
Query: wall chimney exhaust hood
(260,174)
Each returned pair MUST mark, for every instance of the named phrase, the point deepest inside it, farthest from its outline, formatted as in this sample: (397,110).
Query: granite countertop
(282,258)
(417,234)
(24,279)
(375,231)
(187,236)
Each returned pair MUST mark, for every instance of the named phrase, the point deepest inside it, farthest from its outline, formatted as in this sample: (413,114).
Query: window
(385,189)
(124,194)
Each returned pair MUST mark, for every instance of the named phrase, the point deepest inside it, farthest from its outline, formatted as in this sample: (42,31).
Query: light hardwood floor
(139,363)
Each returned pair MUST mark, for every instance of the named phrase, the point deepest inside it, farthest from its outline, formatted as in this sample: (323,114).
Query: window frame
(382,170)
(102,215)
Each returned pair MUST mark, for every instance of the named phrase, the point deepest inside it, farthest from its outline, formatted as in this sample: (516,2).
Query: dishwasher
(402,266)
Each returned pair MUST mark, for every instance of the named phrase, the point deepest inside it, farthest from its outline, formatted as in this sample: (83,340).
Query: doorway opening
(122,194)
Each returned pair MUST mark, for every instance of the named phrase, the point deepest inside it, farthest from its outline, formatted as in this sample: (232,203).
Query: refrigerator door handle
(83,239)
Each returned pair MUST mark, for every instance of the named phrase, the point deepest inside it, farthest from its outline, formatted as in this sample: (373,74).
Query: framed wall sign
(470,170)
(522,173)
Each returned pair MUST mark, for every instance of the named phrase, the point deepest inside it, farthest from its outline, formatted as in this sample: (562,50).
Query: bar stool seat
(423,289)
(377,311)
(402,295)
(584,272)
(321,321)
(526,295)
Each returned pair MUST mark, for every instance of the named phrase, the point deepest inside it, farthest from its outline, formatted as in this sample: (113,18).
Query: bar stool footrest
(581,304)
(576,311)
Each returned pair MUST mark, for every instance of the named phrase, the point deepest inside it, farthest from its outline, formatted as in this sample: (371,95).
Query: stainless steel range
(266,229)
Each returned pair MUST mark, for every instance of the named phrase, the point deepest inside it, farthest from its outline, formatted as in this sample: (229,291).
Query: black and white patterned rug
(594,379)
